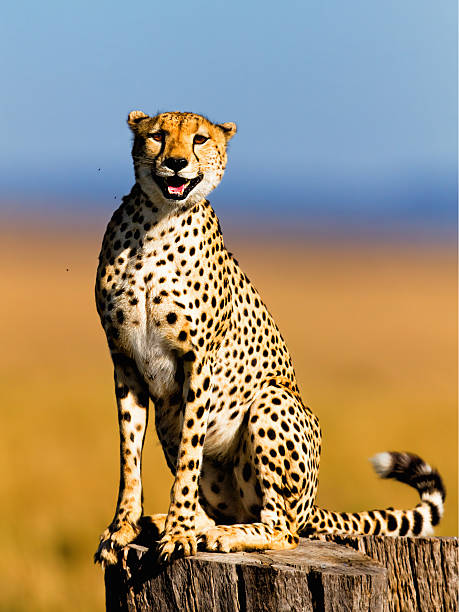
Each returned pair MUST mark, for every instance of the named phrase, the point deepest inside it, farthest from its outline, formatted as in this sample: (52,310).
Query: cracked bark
(422,572)
(371,573)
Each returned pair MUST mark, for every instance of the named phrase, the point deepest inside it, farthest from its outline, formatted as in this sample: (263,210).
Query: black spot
(122,391)
(171,318)
(246,472)
(120,316)
(391,522)
(195,440)
(404,527)
(434,514)
(418,522)
(271,434)
(142,399)
(182,336)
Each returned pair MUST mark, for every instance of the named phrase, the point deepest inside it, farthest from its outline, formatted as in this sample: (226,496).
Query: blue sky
(346,110)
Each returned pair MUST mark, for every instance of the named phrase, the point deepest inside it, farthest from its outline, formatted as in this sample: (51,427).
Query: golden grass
(372,330)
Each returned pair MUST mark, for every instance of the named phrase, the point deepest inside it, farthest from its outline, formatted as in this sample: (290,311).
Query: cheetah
(188,333)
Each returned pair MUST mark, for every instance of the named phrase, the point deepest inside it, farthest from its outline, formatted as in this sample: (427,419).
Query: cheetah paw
(214,540)
(111,543)
(176,544)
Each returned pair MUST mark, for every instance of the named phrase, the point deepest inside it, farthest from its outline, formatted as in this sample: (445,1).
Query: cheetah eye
(158,136)
(198,139)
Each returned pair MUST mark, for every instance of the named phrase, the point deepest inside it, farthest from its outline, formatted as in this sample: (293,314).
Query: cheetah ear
(134,118)
(229,129)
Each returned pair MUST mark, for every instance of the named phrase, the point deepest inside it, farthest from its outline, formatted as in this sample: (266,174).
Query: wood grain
(364,573)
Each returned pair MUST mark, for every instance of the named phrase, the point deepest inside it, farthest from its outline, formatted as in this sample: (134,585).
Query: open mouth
(175,187)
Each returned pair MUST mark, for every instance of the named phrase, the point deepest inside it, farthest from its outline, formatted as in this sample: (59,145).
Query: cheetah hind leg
(251,536)
(278,444)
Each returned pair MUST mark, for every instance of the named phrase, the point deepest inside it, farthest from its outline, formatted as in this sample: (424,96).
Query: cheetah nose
(175,163)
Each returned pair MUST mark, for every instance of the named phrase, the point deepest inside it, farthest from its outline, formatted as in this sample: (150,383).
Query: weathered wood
(314,576)
(327,576)
(422,572)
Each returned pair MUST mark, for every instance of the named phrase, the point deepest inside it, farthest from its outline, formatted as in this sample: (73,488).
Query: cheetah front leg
(132,399)
(184,511)
(153,525)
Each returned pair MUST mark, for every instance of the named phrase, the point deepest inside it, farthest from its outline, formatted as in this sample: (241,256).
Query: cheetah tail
(404,467)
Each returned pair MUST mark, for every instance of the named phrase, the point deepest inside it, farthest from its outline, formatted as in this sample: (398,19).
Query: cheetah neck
(153,215)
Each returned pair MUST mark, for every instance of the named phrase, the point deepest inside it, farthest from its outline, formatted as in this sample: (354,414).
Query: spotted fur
(189,334)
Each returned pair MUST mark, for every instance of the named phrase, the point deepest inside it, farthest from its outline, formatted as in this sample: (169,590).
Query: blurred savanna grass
(372,330)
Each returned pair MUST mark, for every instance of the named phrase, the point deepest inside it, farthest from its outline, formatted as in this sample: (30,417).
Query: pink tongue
(178,190)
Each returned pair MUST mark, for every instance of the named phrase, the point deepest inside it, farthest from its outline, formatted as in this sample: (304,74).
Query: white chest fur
(154,358)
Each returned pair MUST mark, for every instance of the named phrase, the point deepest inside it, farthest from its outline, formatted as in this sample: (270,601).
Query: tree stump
(422,572)
(371,573)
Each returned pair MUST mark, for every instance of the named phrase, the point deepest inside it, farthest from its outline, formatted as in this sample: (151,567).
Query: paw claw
(218,539)
(112,542)
(200,539)
(106,554)
(177,545)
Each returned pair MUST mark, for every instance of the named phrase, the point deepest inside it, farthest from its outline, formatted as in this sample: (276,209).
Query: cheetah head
(178,157)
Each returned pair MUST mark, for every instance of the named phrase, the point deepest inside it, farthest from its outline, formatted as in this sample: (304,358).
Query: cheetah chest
(145,335)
